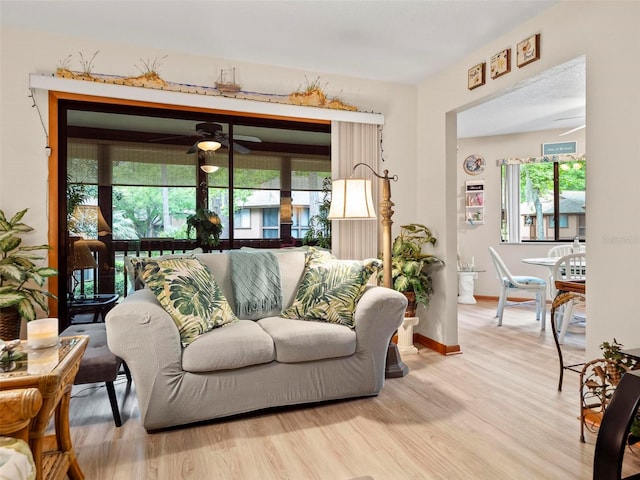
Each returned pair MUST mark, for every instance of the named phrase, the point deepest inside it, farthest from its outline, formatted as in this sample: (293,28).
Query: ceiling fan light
(209,168)
(209,145)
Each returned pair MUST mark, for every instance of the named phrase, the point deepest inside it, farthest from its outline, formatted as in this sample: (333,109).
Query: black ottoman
(98,363)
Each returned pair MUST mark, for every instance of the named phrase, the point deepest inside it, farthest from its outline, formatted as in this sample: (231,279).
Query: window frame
(510,219)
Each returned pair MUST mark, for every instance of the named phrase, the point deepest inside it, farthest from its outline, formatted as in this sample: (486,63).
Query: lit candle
(42,333)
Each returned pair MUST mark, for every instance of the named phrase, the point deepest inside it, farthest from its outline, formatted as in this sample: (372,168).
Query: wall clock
(473,164)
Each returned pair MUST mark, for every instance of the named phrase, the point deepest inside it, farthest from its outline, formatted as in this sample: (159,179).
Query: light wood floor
(492,412)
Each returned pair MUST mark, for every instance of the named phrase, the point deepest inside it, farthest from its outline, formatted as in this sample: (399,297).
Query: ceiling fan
(213,131)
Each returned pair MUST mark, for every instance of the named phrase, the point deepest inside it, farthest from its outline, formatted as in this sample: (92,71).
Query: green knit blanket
(255,277)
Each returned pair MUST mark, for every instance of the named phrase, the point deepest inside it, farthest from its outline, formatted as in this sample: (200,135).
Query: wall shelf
(474,202)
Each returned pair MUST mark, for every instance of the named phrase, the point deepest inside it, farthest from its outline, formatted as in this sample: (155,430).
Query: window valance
(542,159)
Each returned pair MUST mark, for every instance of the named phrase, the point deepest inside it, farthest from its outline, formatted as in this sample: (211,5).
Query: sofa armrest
(145,336)
(379,313)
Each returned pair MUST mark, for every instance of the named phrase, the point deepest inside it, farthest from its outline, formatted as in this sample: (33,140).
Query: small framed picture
(477,76)
(500,63)
(529,50)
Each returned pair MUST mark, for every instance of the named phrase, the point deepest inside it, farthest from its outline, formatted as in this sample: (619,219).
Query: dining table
(548,262)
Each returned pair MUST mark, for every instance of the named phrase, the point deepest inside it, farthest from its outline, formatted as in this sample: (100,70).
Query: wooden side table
(51,371)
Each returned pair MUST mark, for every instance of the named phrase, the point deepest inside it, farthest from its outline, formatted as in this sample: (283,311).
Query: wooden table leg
(63,435)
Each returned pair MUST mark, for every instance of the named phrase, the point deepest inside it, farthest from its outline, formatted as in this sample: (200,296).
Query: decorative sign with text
(559,148)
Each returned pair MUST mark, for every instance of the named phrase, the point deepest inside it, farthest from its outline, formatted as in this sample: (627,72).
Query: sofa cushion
(236,345)
(188,292)
(331,288)
(133,266)
(302,341)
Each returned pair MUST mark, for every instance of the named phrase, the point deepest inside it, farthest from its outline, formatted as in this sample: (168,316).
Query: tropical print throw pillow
(331,288)
(188,292)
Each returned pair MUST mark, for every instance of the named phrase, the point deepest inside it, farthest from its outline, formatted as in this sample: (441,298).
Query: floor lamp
(351,199)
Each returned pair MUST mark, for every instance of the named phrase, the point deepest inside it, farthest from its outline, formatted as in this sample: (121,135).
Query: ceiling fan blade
(240,148)
(193,148)
(247,138)
(162,139)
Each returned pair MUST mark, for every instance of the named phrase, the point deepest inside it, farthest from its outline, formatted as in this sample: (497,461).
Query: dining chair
(510,282)
(560,251)
(569,268)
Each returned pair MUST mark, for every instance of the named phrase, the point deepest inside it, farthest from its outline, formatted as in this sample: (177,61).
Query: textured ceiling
(553,99)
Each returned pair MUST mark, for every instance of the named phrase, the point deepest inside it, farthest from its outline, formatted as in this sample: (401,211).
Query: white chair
(519,282)
(569,268)
(560,251)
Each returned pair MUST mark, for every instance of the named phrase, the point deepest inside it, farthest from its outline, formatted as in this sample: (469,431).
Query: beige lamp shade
(209,145)
(92,215)
(82,256)
(351,199)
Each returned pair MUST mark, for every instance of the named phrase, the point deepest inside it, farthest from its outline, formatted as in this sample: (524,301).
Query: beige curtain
(353,143)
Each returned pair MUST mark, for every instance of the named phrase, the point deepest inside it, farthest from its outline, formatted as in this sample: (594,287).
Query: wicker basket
(9,324)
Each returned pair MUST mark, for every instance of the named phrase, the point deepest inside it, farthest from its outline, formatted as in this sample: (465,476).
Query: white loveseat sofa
(249,365)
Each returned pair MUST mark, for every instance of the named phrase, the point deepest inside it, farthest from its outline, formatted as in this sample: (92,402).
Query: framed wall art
(473,164)
(500,63)
(529,50)
(476,76)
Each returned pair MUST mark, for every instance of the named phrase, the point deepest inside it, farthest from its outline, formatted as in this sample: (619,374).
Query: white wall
(473,240)
(606,32)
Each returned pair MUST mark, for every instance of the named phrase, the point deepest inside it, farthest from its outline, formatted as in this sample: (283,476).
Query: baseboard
(441,348)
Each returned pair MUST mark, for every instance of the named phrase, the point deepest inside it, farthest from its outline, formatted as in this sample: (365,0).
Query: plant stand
(405,336)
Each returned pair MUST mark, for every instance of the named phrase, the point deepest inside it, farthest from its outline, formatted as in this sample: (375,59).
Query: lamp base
(395,367)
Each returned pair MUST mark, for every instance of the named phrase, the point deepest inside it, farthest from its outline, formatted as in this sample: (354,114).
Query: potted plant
(20,277)
(319,233)
(411,268)
(207,225)
(621,363)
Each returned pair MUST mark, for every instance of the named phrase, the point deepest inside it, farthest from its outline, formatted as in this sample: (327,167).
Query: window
(543,199)
(300,221)
(242,218)
(564,221)
(270,222)
(139,167)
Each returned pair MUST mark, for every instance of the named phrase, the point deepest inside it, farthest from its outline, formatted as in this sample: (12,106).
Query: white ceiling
(403,41)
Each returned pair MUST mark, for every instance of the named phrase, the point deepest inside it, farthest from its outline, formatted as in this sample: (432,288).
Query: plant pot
(10,323)
(412,305)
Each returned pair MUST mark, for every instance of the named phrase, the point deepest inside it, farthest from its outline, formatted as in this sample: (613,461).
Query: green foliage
(18,270)
(613,352)
(319,232)
(537,179)
(142,209)
(207,225)
(411,268)
(76,195)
